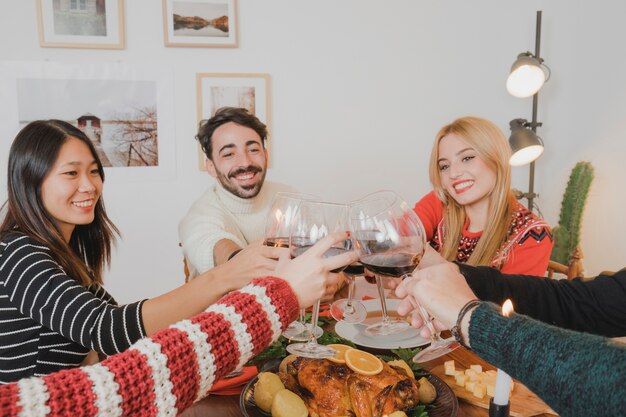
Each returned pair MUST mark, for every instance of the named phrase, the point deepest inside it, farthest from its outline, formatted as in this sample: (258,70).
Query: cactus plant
(567,233)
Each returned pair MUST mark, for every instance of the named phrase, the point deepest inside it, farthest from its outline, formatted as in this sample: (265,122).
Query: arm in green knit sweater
(577,374)
(595,306)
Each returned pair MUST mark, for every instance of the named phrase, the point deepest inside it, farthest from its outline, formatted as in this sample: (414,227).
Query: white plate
(356,332)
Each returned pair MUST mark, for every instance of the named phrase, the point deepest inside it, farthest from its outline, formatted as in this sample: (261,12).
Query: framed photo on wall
(125,110)
(81,23)
(200,23)
(250,91)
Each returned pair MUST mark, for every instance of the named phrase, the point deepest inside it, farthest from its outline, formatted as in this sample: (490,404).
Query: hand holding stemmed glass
(277,229)
(313,221)
(389,239)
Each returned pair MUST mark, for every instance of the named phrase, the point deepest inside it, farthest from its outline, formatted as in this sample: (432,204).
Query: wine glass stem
(381,294)
(434,335)
(301,316)
(314,316)
(351,283)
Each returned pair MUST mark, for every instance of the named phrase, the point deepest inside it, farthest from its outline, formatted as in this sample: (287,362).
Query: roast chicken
(331,390)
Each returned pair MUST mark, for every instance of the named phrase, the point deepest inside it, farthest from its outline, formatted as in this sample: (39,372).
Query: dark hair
(33,153)
(222,116)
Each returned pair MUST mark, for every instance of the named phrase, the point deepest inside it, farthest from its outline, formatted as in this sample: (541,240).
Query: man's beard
(242,191)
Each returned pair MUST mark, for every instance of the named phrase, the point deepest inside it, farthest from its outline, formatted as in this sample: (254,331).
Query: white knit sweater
(217,215)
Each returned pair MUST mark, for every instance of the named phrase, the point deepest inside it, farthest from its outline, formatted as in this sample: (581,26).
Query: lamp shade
(526,77)
(526,146)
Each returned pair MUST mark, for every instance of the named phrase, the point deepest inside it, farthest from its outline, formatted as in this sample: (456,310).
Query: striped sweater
(164,374)
(48,321)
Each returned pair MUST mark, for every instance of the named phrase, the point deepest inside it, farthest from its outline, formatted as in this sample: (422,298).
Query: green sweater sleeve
(577,374)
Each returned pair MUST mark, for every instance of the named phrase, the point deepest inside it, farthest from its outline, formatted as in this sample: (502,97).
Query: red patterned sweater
(526,251)
(164,374)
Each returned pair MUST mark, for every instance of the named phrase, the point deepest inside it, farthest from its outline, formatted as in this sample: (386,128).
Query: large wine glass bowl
(312,222)
(389,239)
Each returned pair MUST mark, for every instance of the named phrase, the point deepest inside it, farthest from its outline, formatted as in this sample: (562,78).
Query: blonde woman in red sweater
(471,216)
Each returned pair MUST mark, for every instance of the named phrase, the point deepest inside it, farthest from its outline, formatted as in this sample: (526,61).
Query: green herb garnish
(406,354)
(419,411)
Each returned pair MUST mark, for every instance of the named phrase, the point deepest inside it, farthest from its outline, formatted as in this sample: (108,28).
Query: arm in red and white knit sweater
(167,372)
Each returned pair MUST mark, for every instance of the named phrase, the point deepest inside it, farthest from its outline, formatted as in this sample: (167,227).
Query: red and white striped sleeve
(166,373)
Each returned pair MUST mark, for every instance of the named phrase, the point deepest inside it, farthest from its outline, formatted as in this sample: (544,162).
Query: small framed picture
(200,23)
(250,91)
(81,23)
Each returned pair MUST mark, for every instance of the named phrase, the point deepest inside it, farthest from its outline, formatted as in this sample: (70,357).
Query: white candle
(503,387)
(503,380)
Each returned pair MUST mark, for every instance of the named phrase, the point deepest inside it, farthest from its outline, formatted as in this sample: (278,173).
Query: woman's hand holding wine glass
(390,241)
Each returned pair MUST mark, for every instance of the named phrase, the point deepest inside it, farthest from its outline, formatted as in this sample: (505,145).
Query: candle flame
(507,308)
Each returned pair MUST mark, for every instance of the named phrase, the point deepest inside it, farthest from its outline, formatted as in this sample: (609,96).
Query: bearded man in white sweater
(229,218)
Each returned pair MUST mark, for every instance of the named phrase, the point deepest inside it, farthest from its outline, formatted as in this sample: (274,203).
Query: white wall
(358,89)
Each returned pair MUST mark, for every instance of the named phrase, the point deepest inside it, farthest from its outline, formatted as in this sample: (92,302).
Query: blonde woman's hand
(310,274)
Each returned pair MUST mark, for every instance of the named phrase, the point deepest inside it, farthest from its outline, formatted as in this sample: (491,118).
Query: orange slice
(362,362)
(341,350)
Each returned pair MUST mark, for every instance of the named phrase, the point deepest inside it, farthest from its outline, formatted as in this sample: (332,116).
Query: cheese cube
(491,372)
(470,385)
(460,379)
(477,368)
(448,366)
(512,384)
(491,389)
(479,390)
(472,374)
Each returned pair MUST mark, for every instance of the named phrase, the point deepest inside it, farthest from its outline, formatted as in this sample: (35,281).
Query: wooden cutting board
(523,402)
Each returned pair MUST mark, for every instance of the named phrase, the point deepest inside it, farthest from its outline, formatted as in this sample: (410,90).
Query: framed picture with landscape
(125,110)
(250,91)
(81,23)
(200,23)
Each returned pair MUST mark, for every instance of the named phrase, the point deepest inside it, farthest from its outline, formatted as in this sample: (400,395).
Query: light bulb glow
(526,155)
(525,80)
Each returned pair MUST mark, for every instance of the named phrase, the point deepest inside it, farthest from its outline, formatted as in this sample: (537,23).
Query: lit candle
(503,380)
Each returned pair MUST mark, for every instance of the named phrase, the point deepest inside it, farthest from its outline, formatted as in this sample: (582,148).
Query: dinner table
(228,405)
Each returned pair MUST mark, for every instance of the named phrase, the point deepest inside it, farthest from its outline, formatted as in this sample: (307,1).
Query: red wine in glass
(391,264)
(356,269)
(300,249)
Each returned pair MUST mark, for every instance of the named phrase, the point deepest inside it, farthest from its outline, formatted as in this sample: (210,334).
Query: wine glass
(277,227)
(390,241)
(313,221)
(348,309)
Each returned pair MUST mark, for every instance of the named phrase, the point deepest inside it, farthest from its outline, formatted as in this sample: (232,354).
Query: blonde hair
(493,149)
